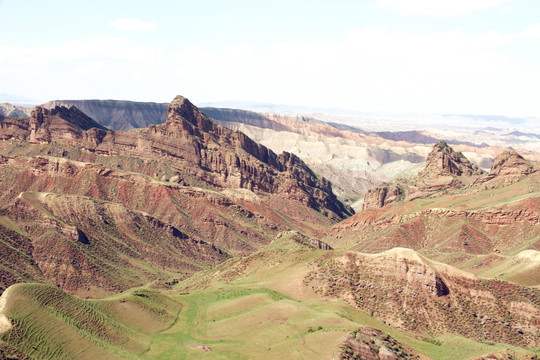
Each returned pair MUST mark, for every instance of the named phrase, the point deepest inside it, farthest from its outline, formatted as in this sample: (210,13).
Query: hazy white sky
(458,56)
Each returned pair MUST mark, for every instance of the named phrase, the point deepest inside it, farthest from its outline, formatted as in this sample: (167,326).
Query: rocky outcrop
(381,196)
(372,344)
(14,128)
(304,240)
(508,167)
(59,124)
(118,114)
(443,160)
(445,169)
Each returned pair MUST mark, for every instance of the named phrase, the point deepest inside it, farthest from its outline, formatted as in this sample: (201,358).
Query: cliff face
(382,196)
(117,114)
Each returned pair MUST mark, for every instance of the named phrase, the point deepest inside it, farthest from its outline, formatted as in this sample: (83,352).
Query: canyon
(142,230)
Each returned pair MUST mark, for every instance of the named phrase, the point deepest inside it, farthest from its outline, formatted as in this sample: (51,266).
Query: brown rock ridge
(501,229)
(199,150)
(445,169)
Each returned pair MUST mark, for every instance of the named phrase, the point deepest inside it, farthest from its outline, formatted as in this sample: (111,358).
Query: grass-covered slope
(399,288)
(47,323)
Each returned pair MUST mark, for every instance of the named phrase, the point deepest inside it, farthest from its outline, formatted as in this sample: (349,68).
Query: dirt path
(5,323)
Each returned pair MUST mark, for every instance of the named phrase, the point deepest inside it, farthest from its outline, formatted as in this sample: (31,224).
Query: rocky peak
(443,160)
(508,167)
(183,115)
(510,162)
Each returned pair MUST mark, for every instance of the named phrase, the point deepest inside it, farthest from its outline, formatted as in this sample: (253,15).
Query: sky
(404,56)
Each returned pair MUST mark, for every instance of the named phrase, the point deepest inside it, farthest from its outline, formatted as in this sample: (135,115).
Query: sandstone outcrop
(304,240)
(371,344)
(443,160)
(381,196)
(445,169)
(508,167)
